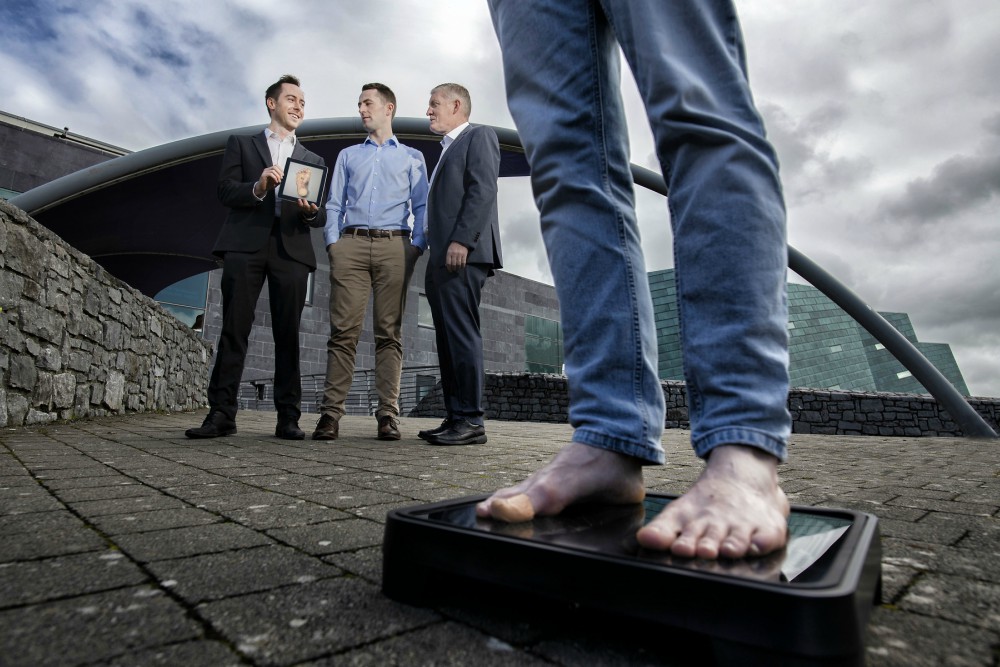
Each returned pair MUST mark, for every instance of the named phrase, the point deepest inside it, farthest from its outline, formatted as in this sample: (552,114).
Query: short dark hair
(275,88)
(384,92)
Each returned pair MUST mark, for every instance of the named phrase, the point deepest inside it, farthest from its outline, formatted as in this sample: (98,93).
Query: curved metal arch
(174,182)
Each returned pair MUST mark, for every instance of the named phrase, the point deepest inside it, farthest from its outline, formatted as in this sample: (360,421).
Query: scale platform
(805,605)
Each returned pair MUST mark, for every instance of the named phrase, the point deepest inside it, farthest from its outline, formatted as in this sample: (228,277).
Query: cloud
(520,232)
(956,185)
(810,170)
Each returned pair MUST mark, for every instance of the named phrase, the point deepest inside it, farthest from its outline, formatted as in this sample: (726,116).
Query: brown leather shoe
(388,428)
(327,428)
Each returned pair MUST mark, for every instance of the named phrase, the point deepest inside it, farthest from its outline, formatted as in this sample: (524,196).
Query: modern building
(520,316)
(828,349)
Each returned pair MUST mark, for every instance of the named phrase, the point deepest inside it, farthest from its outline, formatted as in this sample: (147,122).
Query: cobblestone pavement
(124,543)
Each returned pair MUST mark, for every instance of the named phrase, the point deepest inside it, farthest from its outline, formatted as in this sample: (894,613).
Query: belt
(374,233)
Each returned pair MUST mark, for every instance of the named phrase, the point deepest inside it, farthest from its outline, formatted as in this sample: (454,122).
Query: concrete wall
(544,398)
(77,342)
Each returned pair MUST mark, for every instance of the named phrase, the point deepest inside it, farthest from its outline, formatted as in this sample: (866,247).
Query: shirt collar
(451,136)
(271,134)
(391,141)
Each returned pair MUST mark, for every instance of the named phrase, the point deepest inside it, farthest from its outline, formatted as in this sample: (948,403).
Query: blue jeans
(562,72)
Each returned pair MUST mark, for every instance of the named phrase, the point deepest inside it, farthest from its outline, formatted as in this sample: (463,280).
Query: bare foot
(578,473)
(734,509)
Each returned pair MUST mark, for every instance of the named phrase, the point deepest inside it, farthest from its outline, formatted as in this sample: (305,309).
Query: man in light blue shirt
(374,189)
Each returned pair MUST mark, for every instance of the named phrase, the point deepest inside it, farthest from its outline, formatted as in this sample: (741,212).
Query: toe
(513,510)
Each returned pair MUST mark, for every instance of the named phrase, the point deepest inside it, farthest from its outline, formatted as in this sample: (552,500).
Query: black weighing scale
(805,605)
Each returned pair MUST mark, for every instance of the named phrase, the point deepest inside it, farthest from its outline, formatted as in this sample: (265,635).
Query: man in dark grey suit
(263,237)
(463,232)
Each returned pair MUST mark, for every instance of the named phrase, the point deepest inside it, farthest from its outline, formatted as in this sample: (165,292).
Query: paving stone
(199,492)
(364,563)
(204,653)
(234,583)
(90,628)
(948,506)
(921,532)
(66,576)
(899,639)
(141,522)
(52,537)
(8,480)
(331,537)
(286,626)
(966,601)
(291,513)
(356,496)
(180,542)
(39,522)
(88,469)
(437,494)
(221,575)
(56,485)
(424,647)
(127,505)
(26,499)
(244,501)
(104,493)
(379,513)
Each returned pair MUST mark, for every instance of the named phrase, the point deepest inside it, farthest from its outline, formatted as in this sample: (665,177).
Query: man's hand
(307,209)
(456,257)
(269,179)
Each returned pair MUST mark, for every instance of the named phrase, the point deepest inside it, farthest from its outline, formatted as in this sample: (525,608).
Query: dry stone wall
(544,398)
(77,342)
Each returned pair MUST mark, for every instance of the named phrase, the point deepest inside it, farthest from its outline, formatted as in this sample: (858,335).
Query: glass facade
(827,348)
(424,316)
(668,329)
(543,345)
(889,374)
(186,300)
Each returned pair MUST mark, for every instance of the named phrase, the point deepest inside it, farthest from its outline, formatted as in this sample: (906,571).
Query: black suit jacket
(248,225)
(462,200)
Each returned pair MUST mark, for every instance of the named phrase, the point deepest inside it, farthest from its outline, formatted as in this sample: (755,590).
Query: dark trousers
(454,300)
(243,275)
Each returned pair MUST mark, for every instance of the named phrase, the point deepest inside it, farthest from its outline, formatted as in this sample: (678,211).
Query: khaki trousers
(361,266)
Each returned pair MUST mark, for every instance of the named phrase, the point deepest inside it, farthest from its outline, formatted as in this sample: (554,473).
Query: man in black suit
(263,237)
(463,232)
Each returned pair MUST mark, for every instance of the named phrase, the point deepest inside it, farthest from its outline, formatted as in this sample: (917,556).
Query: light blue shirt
(375,187)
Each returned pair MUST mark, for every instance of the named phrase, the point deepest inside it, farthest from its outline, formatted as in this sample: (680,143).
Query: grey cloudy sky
(886,117)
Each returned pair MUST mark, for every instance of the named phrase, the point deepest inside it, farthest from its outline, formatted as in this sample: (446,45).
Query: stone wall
(77,342)
(544,398)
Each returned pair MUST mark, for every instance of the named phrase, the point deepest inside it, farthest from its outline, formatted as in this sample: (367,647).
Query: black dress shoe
(461,432)
(445,425)
(288,429)
(216,424)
